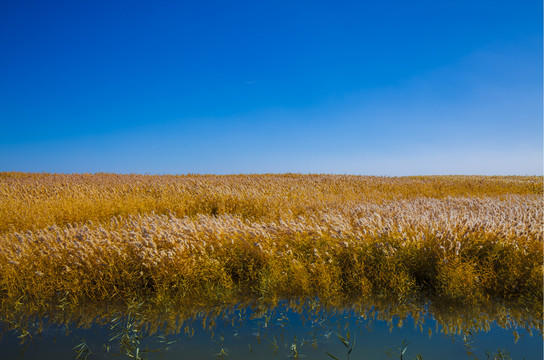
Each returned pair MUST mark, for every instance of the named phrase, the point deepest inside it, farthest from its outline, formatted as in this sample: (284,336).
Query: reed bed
(219,239)
(35,201)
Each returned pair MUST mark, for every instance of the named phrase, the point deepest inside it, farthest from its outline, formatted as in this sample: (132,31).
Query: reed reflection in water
(294,329)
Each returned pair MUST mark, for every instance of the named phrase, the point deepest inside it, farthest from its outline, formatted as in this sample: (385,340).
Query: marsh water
(292,329)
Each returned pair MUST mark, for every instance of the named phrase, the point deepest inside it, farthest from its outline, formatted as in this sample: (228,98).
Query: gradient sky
(358,87)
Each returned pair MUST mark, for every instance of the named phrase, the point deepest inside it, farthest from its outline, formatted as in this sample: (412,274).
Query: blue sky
(373,88)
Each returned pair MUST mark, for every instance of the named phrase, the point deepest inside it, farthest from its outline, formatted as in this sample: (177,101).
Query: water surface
(286,329)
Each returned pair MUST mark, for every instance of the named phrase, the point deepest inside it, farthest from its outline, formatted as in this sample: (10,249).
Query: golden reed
(215,239)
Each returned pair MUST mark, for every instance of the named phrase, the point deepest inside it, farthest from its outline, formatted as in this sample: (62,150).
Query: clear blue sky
(357,87)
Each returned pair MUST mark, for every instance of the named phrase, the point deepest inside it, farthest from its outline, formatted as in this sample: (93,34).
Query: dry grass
(35,201)
(217,239)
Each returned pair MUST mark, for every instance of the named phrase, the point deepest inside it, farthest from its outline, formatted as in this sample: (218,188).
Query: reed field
(206,239)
